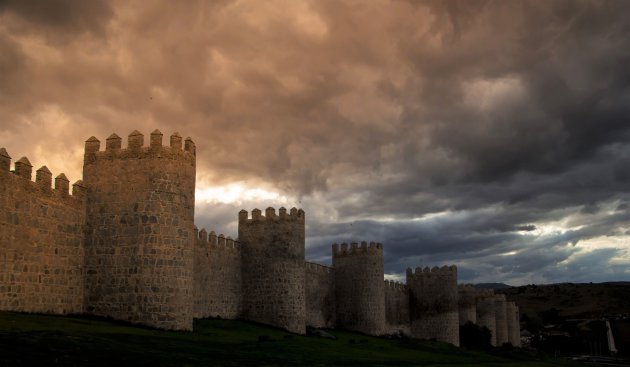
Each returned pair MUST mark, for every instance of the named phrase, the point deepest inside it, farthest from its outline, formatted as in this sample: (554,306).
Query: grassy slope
(55,340)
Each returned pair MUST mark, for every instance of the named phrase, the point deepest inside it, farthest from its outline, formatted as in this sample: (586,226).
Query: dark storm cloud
(452,131)
(57,17)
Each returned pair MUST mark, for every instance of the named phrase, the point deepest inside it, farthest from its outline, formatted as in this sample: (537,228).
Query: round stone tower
(502,322)
(433,303)
(272,252)
(140,231)
(486,315)
(359,287)
(514,329)
(467,306)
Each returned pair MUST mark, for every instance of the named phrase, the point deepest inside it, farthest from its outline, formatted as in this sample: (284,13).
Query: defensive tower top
(374,248)
(136,149)
(427,273)
(295,214)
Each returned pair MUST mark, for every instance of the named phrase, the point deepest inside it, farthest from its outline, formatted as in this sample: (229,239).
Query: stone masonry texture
(486,315)
(359,287)
(41,241)
(513,324)
(467,304)
(272,252)
(433,303)
(396,307)
(139,231)
(217,277)
(320,296)
(502,321)
(122,243)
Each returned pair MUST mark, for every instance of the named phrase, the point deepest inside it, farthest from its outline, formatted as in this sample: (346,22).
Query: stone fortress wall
(359,287)
(396,308)
(139,230)
(41,240)
(217,278)
(501,319)
(320,296)
(486,312)
(513,324)
(433,303)
(272,256)
(124,245)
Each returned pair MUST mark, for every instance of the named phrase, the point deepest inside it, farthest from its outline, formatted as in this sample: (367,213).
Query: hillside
(56,340)
(572,300)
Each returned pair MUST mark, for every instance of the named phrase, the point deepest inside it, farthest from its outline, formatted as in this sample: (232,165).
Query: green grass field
(45,340)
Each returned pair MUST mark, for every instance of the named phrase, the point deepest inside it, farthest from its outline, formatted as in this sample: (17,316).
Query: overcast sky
(492,135)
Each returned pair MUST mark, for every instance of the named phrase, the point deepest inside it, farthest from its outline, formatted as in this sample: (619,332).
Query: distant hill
(570,307)
(492,286)
(572,300)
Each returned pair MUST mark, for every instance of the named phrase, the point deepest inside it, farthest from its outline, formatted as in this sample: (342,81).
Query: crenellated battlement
(23,173)
(466,288)
(319,268)
(374,248)
(211,240)
(270,215)
(432,273)
(136,148)
(391,284)
(122,244)
(485,293)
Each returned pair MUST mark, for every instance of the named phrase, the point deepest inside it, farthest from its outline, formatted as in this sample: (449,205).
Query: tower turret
(502,321)
(466,301)
(272,252)
(359,287)
(433,303)
(486,315)
(140,231)
(514,327)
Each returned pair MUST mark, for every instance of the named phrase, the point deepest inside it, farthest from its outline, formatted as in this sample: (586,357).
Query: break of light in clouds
(488,134)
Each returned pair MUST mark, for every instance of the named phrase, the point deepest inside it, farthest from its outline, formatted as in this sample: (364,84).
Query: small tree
(474,336)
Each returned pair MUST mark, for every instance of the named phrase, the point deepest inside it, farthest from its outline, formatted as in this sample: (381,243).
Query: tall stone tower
(433,303)
(513,324)
(140,231)
(359,287)
(272,252)
(502,321)
(486,315)
(467,304)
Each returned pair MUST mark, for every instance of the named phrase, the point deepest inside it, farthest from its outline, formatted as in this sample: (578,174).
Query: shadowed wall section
(396,307)
(501,319)
(433,303)
(320,296)
(272,252)
(486,315)
(466,300)
(359,287)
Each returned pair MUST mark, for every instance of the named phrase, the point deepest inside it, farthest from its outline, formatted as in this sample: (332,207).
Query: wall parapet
(211,240)
(318,268)
(485,293)
(270,215)
(466,287)
(434,272)
(22,175)
(136,148)
(392,284)
(374,248)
